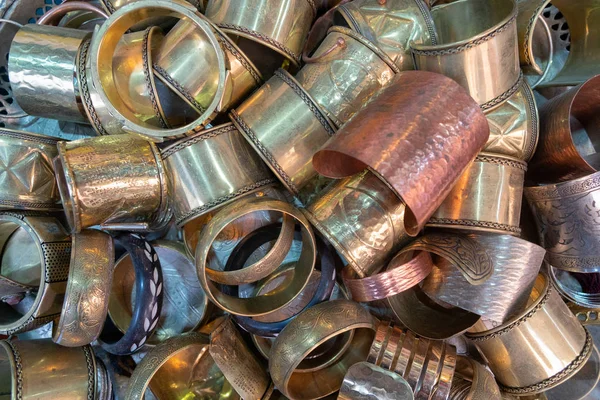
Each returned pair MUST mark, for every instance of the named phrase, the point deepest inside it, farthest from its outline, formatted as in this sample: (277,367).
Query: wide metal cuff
(394,39)
(117,181)
(538,349)
(286,127)
(565,217)
(28,157)
(344,72)
(43,74)
(486,198)
(428,366)
(473,381)
(47,238)
(475,36)
(420,158)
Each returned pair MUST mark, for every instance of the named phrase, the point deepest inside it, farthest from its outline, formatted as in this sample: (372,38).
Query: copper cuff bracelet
(28,157)
(393,37)
(525,354)
(48,248)
(477,47)
(47,88)
(487,197)
(88,170)
(565,215)
(420,158)
(229,169)
(428,366)
(286,127)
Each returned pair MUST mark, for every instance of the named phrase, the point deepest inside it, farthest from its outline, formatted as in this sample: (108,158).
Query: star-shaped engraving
(508,128)
(26,170)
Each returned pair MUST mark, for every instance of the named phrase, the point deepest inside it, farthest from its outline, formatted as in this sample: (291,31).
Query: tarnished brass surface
(479,382)
(476,46)
(116,181)
(88,287)
(49,88)
(487,197)
(366,381)
(28,158)
(418,135)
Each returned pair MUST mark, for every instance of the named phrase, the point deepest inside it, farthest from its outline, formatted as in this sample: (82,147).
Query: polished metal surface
(419,158)
(47,89)
(56,14)
(27,172)
(391,25)
(210,169)
(286,127)
(487,197)
(366,381)
(476,46)
(117,181)
(565,217)
(363,219)
(344,79)
(480,382)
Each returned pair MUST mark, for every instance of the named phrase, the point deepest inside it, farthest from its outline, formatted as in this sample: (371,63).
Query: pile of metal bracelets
(299,199)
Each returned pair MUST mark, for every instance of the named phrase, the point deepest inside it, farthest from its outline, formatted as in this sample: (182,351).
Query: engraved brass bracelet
(477,47)
(525,353)
(421,158)
(88,287)
(486,198)
(30,156)
(286,127)
(87,171)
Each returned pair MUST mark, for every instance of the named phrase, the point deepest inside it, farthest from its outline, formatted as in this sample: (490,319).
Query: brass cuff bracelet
(110,6)
(229,169)
(37,53)
(279,26)
(486,198)
(428,366)
(363,379)
(115,181)
(419,158)
(25,367)
(504,293)
(394,39)
(568,131)
(342,91)
(36,251)
(322,322)
(107,111)
(238,363)
(585,315)
(181,289)
(368,237)
(28,157)
(477,47)
(473,381)
(60,14)
(565,217)
(286,127)
(514,126)
(177,368)
(265,304)
(88,287)
(539,348)
(571,289)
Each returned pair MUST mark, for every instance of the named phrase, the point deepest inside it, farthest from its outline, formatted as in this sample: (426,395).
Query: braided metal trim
(159,70)
(313,5)
(111,9)
(502,161)
(504,96)
(530,26)
(26,204)
(19,368)
(30,324)
(91,392)
(534,122)
(428,21)
(85,92)
(147,78)
(558,377)
(469,45)
(474,223)
(306,99)
(264,151)
(223,199)
(31,138)
(240,57)
(193,140)
(295,57)
(516,323)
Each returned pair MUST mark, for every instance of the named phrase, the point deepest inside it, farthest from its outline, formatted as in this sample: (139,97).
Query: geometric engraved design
(26,170)
(509,128)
